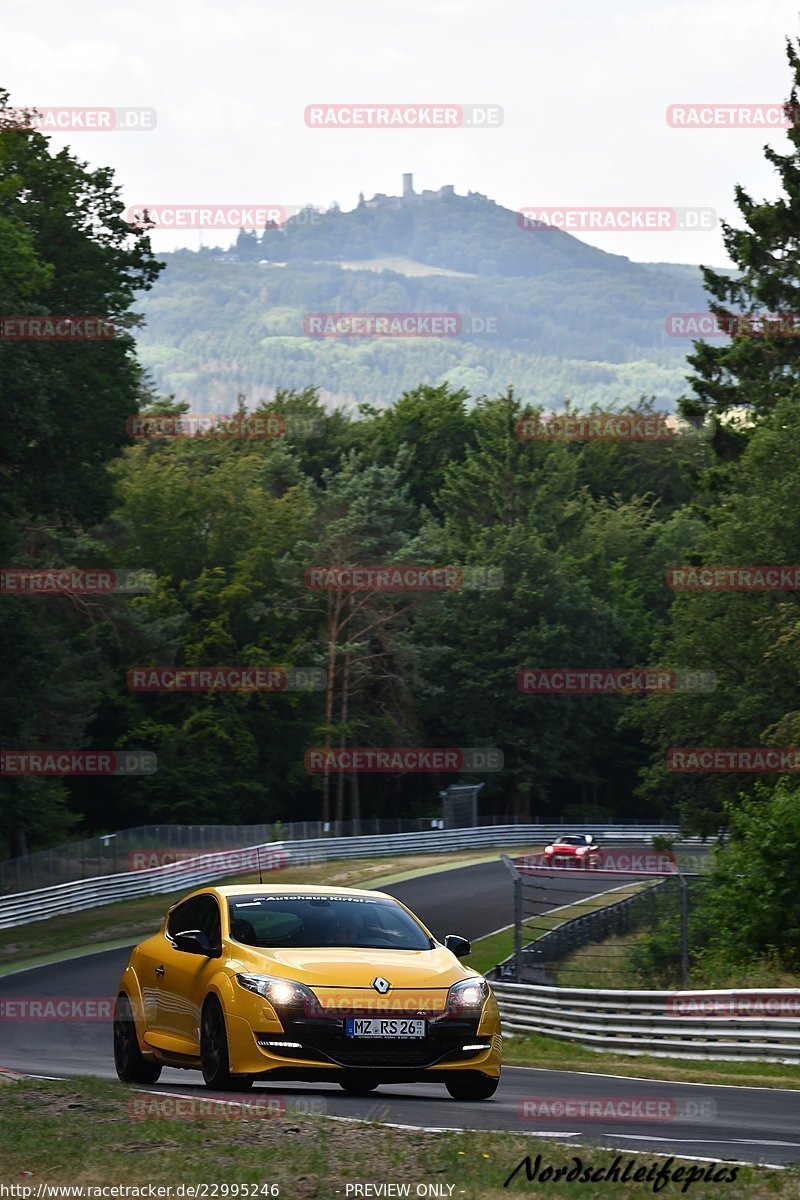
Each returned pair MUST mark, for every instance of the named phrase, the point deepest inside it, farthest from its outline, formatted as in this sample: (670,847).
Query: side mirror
(193,941)
(457,945)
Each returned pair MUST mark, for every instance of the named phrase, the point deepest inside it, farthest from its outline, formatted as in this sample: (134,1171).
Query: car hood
(339,967)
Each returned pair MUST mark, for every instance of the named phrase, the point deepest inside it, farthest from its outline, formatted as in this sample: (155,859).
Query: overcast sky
(584,87)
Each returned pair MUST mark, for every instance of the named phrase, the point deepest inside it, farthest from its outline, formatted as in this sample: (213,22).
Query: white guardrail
(22,908)
(749,1023)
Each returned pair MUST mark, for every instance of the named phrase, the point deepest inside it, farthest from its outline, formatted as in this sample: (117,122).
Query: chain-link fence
(600,927)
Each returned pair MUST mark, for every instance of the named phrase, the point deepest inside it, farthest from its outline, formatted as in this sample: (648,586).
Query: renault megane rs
(306,983)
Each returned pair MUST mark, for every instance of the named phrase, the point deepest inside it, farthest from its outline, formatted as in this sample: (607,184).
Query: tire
(131,1065)
(471,1085)
(358,1085)
(214,1060)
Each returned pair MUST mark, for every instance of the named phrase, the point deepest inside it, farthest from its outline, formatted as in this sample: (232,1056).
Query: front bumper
(311,1048)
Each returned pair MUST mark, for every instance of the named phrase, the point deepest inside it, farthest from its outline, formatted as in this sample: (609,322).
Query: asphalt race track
(743,1124)
(474,901)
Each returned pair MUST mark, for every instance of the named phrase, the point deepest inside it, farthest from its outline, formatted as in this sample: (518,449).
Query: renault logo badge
(381,985)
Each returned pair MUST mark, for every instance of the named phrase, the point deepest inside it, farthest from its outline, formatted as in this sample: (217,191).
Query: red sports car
(573,850)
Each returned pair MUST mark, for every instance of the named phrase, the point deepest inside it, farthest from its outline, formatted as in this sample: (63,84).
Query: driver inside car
(345,930)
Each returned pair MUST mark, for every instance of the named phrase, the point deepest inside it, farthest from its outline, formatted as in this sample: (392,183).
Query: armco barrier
(113,853)
(630,1022)
(22,908)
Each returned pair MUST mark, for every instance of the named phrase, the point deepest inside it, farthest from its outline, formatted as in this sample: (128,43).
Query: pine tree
(758,364)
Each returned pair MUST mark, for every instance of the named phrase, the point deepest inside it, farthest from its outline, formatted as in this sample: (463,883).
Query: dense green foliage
(65,249)
(229,525)
(759,365)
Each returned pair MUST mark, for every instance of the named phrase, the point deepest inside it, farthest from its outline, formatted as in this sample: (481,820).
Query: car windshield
(572,841)
(310,921)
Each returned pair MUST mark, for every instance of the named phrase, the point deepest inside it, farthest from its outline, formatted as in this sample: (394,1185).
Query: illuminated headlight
(281,993)
(467,998)
(582,850)
(548,849)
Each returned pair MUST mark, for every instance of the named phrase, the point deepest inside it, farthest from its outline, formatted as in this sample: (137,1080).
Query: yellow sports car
(306,983)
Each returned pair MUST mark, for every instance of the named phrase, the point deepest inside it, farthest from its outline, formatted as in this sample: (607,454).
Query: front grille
(383,1053)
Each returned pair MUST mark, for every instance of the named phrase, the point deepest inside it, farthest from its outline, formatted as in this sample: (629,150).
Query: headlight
(583,850)
(281,993)
(467,998)
(548,849)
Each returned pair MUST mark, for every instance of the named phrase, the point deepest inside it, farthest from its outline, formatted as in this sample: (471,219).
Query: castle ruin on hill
(409,196)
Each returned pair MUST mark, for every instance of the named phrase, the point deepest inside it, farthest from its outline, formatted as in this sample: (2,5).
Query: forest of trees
(582,532)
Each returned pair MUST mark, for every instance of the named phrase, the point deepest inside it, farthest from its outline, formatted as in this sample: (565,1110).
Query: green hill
(539,309)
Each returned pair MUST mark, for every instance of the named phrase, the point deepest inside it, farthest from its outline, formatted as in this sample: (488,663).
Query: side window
(206,916)
(183,918)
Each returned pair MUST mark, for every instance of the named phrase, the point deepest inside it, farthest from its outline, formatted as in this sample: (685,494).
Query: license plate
(384,1027)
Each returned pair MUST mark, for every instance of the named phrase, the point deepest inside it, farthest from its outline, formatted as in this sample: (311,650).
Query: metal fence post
(517,883)
(684,931)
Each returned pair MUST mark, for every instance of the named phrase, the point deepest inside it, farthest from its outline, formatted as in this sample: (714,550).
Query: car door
(185,980)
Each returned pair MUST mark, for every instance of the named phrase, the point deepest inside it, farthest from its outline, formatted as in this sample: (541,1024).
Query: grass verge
(605,964)
(82,1133)
(539,1050)
(610,964)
